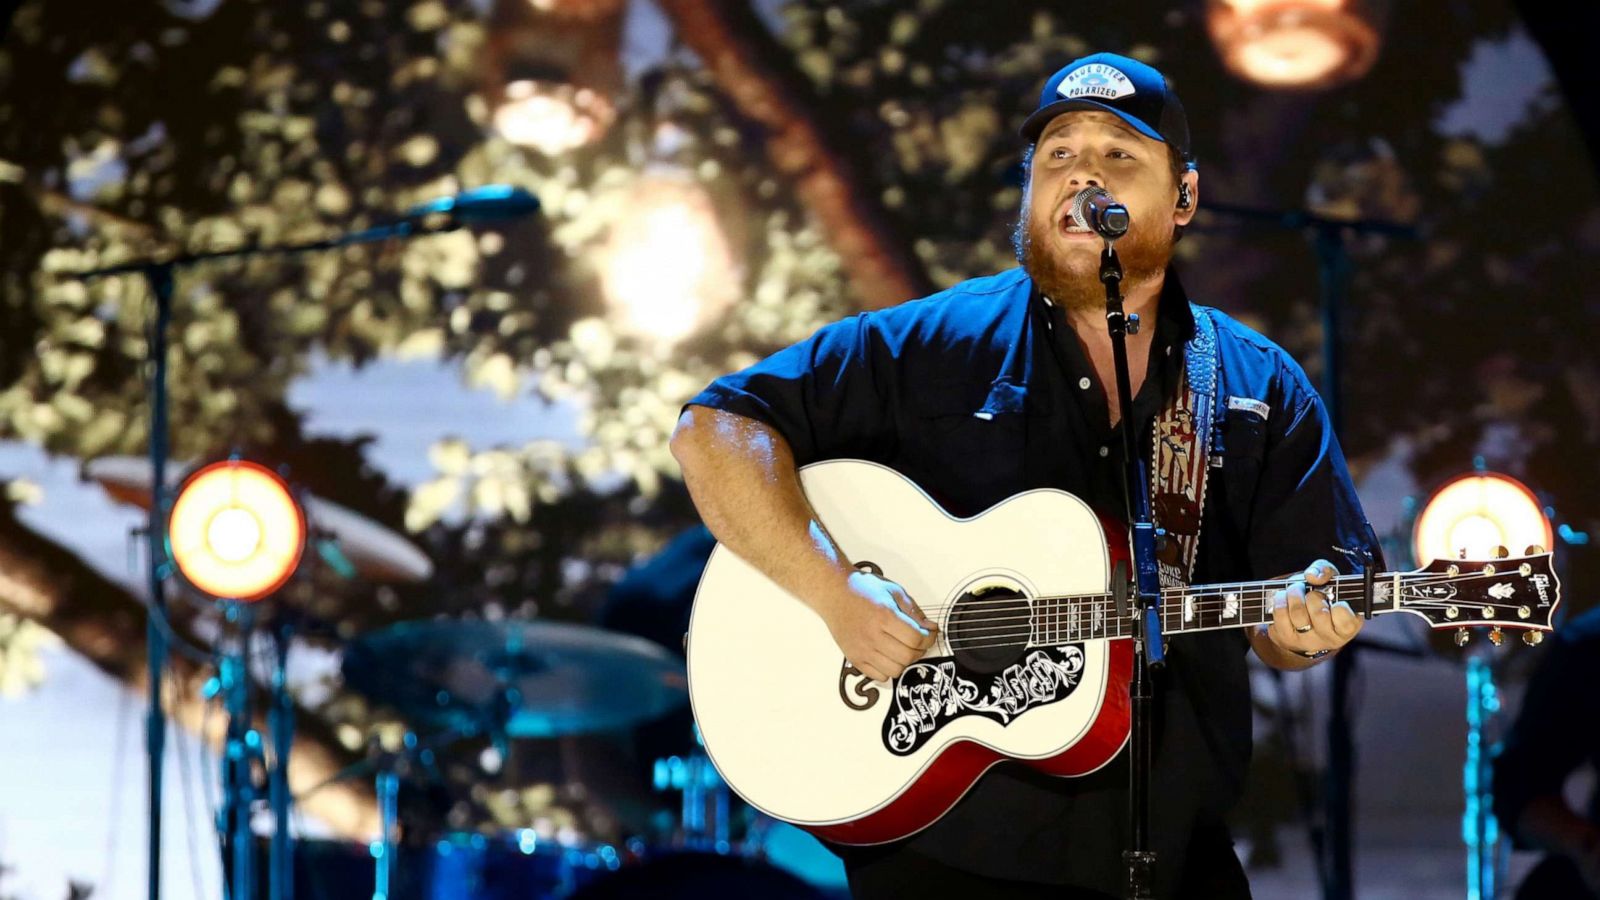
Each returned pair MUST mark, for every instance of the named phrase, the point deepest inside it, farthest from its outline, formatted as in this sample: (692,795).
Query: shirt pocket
(966,438)
(1244,446)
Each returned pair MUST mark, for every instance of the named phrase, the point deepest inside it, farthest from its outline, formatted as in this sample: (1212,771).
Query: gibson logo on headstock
(1541,583)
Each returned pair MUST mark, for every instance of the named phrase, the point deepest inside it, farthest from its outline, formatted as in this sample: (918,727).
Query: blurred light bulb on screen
(667,268)
(550,117)
(1295,43)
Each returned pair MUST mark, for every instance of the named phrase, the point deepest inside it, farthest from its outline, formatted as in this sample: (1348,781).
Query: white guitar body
(859,762)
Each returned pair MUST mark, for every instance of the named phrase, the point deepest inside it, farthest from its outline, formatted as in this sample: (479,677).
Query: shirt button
(1105,452)
(1083,383)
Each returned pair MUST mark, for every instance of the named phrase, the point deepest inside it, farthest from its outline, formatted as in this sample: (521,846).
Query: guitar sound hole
(989,631)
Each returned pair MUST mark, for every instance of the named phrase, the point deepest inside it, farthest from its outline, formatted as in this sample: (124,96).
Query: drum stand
(704,814)
(391,767)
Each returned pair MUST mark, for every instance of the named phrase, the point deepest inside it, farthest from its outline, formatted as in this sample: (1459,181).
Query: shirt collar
(1176,318)
(1173,309)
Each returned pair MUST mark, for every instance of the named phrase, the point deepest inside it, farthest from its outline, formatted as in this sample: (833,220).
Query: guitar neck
(1210,607)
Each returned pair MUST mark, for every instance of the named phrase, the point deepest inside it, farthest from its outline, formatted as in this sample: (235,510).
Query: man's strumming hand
(878,626)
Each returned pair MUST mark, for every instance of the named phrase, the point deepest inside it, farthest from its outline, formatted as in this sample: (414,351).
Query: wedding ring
(1302,630)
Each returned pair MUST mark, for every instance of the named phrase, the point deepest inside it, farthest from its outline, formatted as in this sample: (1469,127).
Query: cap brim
(1041,117)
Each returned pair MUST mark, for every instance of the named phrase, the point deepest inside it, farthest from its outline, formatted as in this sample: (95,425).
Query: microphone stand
(1147,642)
(432,219)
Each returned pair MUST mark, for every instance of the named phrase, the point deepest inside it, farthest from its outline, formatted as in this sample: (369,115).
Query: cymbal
(527,679)
(375,552)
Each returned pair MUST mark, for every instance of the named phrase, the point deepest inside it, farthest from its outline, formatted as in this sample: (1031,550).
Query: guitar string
(1006,636)
(1066,633)
(1252,613)
(1065,639)
(1018,627)
(1260,587)
(1047,639)
(1197,609)
(1208,592)
(1206,600)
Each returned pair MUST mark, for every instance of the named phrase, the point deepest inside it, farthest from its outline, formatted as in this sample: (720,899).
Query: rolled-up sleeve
(1305,506)
(826,395)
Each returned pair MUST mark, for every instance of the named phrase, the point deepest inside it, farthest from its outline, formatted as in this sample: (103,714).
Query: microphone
(490,203)
(1095,210)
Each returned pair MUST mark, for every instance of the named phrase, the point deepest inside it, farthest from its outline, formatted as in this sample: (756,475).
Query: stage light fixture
(1296,44)
(1480,512)
(235,531)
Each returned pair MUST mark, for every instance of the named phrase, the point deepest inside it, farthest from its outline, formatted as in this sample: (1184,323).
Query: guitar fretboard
(1197,608)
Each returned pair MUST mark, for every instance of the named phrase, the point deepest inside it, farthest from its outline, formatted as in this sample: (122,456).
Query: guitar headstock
(1511,592)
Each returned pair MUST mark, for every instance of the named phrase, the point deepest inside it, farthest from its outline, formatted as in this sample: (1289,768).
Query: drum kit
(453,680)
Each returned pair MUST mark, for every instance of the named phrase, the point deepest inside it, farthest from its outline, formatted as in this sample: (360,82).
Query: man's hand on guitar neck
(1305,627)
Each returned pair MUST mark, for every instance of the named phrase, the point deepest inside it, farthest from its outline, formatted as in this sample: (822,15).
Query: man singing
(1003,384)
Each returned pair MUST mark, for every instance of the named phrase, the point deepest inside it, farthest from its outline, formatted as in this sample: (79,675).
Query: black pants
(1211,872)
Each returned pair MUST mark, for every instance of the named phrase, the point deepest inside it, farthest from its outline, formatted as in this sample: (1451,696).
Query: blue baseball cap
(1127,88)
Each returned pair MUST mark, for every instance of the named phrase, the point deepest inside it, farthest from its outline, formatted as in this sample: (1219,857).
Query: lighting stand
(432,218)
(242,749)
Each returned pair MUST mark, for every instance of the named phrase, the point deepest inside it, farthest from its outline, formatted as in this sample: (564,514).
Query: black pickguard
(934,692)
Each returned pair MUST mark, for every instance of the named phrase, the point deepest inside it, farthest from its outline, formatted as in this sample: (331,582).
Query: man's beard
(1144,254)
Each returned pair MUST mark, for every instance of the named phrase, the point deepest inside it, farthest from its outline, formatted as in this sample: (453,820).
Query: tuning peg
(1496,636)
(1501,552)
(1524,612)
(1532,638)
(1533,550)
(1462,636)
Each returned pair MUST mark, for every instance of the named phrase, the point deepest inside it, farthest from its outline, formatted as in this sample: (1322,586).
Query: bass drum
(455,867)
(687,875)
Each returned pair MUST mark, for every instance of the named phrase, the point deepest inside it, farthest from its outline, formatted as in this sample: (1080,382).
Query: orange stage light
(235,531)
(1480,512)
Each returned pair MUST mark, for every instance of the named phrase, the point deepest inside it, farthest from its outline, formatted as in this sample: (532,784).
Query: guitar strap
(1180,457)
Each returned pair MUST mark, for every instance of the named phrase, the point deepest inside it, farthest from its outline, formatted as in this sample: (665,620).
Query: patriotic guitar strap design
(1180,457)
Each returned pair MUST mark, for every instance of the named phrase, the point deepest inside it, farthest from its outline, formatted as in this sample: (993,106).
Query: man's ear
(1188,190)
